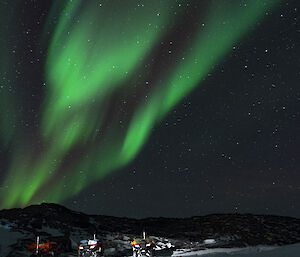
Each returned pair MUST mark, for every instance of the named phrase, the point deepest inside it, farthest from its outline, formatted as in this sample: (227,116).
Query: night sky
(151,108)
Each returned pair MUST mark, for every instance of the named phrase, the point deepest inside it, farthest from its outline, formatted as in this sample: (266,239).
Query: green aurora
(94,54)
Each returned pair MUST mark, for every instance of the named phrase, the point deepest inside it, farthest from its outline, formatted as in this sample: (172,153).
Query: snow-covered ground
(177,237)
(258,251)
(7,238)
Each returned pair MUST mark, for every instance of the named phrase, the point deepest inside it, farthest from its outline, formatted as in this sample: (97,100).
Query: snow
(206,252)
(6,226)
(7,239)
(209,241)
(257,251)
(283,251)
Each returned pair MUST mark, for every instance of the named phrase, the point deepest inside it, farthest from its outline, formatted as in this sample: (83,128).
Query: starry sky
(151,108)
